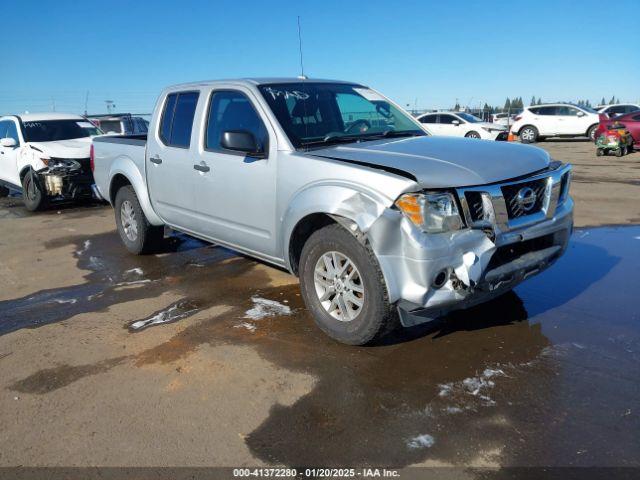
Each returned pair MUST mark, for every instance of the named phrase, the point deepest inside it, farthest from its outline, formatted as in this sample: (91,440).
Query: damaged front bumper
(67,179)
(428,275)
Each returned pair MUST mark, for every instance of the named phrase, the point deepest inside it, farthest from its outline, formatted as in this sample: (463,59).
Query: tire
(137,234)
(599,152)
(4,191)
(528,134)
(375,318)
(33,197)
(591,133)
(619,152)
(472,134)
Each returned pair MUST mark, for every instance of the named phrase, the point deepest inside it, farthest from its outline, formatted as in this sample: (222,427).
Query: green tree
(613,100)
(507,105)
(603,102)
(533,100)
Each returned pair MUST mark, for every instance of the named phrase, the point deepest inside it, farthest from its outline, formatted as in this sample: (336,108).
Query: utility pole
(86,101)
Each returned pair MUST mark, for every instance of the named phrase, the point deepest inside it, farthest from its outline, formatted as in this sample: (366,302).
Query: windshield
(469,118)
(325,113)
(53,130)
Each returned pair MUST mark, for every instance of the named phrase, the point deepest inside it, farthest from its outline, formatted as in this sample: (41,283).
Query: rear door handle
(201,167)
(157,160)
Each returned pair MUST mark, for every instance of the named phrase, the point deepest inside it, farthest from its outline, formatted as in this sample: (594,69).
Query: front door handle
(157,160)
(201,167)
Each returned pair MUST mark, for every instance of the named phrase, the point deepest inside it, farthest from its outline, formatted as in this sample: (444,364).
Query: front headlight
(434,212)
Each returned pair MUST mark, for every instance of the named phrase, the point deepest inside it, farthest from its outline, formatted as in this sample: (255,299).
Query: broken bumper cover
(67,179)
(429,275)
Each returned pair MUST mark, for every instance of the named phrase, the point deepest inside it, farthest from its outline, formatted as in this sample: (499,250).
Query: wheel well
(301,232)
(525,126)
(23,173)
(117,183)
(588,129)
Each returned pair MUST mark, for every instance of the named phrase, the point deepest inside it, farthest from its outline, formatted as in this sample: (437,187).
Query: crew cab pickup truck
(332,181)
(46,156)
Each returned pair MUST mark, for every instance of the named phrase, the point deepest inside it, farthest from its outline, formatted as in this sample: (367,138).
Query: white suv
(555,120)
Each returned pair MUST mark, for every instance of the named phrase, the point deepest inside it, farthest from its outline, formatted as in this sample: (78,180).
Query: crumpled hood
(495,126)
(445,162)
(74,148)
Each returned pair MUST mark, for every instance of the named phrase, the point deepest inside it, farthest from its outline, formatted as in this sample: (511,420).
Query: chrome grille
(515,209)
(474,201)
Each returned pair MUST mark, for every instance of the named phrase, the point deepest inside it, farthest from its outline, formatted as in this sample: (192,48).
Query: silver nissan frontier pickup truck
(383,223)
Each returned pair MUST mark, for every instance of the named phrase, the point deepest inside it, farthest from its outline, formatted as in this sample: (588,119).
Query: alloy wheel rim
(527,134)
(129,221)
(339,286)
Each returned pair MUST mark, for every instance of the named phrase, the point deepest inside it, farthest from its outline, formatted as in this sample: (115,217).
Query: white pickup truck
(337,184)
(46,156)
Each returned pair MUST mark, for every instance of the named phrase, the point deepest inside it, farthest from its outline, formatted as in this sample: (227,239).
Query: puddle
(538,374)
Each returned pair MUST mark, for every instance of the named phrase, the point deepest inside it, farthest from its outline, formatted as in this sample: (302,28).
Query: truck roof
(260,81)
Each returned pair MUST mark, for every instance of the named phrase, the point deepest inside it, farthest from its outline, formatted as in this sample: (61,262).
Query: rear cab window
(177,119)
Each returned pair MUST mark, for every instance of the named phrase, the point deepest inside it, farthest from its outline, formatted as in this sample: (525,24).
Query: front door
(570,121)
(236,193)
(170,157)
(8,155)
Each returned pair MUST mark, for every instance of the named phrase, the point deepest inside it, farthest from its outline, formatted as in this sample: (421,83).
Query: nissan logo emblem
(526,198)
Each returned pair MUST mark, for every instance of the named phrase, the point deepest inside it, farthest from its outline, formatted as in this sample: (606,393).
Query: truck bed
(115,152)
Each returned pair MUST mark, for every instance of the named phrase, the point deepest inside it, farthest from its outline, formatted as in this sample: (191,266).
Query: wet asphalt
(545,375)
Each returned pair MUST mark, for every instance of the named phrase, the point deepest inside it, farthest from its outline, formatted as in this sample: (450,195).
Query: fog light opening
(441,278)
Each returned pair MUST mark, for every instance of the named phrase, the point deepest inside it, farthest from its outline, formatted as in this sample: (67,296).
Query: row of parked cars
(534,123)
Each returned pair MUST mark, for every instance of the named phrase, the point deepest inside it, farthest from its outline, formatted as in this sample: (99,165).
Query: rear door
(8,155)
(170,156)
(546,120)
(236,193)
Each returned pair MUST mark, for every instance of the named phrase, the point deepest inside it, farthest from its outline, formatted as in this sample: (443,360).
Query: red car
(629,120)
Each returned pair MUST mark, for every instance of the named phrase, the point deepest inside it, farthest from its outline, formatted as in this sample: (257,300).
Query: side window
(177,119)
(3,128)
(636,118)
(568,111)
(12,132)
(535,111)
(231,110)
(447,119)
(428,119)
(8,129)
(548,111)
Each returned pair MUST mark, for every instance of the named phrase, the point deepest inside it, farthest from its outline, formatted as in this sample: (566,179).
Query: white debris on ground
(173,313)
(85,247)
(263,308)
(475,386)
(133,282)
(64,300)
(421,441)
(249,326)
(137,271)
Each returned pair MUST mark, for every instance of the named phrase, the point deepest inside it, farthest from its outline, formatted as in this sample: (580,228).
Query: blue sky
(432,51)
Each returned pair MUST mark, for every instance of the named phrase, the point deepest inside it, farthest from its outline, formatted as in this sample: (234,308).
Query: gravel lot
(197,356)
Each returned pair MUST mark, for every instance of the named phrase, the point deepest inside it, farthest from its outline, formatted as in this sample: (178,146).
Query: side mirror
(241,141)
(581,114)
(456,122)
(8,142)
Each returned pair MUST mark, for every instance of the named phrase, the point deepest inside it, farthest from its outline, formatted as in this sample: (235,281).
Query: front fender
(125,166)
(357,204)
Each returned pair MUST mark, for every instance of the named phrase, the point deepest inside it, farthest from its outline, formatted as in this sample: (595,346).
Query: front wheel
(528,134)
(472,134)
(137,234)
(32,195)
(343,287)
